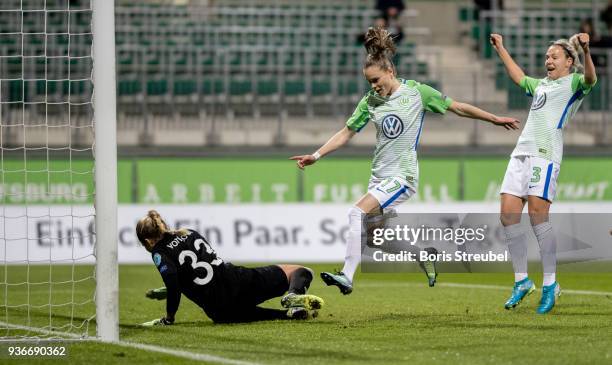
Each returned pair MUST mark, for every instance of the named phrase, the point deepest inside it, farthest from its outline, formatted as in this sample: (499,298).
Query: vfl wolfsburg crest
(538,100)
(392,126)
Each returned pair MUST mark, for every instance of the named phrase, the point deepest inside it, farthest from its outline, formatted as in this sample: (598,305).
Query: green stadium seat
(48,87)
(74,87)
(213,87)
(125,58)
(156,87)
(348,87)
(55,87)
(321,87)
(240,87)
(185,87)
(197,39)
(294,87)
(267,87)
(129,87)
(236,59)
(83,19)
(467,14)
(16,89)
(206,58)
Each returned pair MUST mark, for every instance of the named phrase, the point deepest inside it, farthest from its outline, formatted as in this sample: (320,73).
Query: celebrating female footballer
(531,176)
(397,107)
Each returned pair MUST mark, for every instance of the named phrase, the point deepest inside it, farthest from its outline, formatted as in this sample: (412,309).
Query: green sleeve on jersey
(529,84)
(578,83)
(360,117)
(432,99)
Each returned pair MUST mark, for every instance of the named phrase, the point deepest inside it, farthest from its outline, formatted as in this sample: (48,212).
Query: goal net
(48,224)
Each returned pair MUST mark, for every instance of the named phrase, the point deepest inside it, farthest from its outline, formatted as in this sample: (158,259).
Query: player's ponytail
(572,50)
(153,228)
(158,222)
(380,48)
(575,43)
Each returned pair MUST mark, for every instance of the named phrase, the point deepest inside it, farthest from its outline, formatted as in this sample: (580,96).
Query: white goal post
(105,152)
(58,171)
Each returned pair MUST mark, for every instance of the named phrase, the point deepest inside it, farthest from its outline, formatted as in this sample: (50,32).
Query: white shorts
(390,191)
(531,175)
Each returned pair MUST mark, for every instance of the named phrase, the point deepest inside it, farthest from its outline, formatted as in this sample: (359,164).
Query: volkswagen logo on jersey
(538,100)
(392,126)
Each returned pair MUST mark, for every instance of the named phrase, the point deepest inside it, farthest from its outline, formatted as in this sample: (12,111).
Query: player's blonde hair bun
(572,49)
(380,48)
(153,227)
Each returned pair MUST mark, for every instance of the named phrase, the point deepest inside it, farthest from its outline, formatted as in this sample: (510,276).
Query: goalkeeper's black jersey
(189,266)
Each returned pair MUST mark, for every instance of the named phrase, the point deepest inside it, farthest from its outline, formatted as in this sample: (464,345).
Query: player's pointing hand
(304,160)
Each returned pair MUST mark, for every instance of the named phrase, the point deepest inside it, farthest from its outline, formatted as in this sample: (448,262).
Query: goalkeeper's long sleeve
(170,277)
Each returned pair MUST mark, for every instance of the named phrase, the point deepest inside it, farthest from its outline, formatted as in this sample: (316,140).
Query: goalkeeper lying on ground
(226,293)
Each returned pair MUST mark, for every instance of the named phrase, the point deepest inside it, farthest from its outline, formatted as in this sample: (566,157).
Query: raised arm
(514,71)
(336,141)
(469,111)
(590,77)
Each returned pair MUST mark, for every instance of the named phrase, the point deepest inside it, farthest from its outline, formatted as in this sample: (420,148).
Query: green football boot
(159,293)
(307,301)
(301,313)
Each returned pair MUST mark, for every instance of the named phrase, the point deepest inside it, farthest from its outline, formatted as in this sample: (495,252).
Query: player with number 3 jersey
(531,176)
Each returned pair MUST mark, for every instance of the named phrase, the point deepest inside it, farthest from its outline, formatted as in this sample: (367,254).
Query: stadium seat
(241,86)
(294,87)
(157,87)
(213,86)
(267,87)
(321,87)
(184,87)
(129,87)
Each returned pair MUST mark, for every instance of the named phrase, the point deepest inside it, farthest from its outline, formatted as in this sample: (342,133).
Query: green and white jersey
(398,120)
(554,103)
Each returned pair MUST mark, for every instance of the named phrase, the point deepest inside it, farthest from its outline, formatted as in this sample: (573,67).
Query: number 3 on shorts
(536,174)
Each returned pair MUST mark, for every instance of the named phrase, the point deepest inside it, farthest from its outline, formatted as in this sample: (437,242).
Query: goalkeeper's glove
(158,322)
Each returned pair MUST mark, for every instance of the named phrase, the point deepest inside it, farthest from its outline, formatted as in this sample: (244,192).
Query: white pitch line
(185,354)
(480,286)
(140,346)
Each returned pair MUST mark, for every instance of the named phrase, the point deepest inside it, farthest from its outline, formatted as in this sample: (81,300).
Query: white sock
(353,242)
(517,248)
(549,279)
(548,251)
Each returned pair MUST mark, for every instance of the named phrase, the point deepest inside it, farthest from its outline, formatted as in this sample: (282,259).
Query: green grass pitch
(389,318)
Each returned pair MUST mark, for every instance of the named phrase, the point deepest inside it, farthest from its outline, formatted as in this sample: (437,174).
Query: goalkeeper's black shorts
(242,287)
